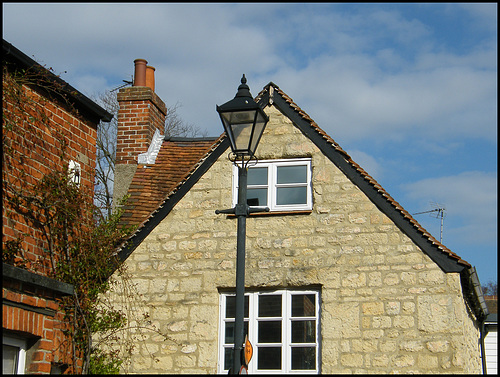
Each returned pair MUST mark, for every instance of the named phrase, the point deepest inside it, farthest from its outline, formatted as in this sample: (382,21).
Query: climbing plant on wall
(60,232)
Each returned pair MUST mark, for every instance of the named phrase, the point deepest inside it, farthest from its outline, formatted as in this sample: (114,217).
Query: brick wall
(41,130)
(37,141)
(386,306)
(40,322)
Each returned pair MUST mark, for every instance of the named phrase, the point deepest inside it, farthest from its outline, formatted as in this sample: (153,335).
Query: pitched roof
(157,188)
(176,160)
(492,303)
(12,55)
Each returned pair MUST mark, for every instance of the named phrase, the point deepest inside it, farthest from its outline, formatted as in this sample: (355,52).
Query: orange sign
(248,350)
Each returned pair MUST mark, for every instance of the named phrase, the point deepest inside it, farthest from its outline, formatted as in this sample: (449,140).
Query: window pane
(291,195)
(228,358)
(303,305)
(229,334)
(231,306)
(9,359)
(257,176)
(257,197)
(304,358)
(270,306)
(292,174)
(303,331)
(269,331)
(269,358)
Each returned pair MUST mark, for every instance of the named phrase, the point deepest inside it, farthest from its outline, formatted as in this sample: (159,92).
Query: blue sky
(409,90)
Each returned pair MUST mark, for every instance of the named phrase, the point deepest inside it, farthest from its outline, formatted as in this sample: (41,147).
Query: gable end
(445,259)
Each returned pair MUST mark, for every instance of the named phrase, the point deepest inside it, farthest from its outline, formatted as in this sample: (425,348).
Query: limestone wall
(386,307)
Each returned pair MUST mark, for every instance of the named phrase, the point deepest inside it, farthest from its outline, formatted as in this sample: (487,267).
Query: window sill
(275,213)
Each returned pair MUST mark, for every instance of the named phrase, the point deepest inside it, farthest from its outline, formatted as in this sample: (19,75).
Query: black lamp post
(244,122)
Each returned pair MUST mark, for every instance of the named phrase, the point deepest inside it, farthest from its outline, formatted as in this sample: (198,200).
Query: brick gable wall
(36,148)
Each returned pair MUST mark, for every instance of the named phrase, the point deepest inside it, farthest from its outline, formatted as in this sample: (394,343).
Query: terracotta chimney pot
(140,72)
(150,77)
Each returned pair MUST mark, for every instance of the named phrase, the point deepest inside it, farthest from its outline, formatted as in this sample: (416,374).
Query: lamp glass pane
(260,124)
(242,134)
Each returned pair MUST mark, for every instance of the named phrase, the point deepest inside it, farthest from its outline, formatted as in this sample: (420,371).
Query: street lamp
(244,122)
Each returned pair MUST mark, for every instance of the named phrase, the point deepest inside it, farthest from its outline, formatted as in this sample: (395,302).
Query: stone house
(32,323)
(339,277)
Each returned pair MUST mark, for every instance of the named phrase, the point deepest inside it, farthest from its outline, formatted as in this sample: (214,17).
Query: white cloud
(348,70)
(367,162)
(470,199)
(485,14)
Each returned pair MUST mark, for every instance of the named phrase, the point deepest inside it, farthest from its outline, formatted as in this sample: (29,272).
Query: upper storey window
(281,185)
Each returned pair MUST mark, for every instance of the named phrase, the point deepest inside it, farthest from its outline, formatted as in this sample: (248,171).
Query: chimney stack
(141,113)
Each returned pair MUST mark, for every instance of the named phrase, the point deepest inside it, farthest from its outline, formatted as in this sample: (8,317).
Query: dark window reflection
(269,331)
(229,334)
(303,331)
(270,306)
(304,358)
(231,306)
(269,358)
(303,306)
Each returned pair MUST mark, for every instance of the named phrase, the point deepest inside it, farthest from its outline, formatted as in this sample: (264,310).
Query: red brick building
(56,118)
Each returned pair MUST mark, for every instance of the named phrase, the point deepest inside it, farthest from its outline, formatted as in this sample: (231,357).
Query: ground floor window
(283,327)
(13,355)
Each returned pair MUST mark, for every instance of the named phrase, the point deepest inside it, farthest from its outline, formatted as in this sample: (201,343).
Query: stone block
(383,322)
(403,322)
(436,314)
(364,345)
(372,308)
(354,280)
(351,360)
(411,346)
(380,361)
(404,361)
(438,346)
(428,362)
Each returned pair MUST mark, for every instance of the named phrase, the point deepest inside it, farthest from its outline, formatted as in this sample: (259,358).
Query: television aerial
(437,212)
(123,85)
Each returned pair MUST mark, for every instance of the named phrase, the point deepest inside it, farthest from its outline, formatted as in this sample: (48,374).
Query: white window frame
(272,184)
(286,336)
(21,355)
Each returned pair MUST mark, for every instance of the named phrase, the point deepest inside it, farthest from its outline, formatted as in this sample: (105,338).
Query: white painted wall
(491,350)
